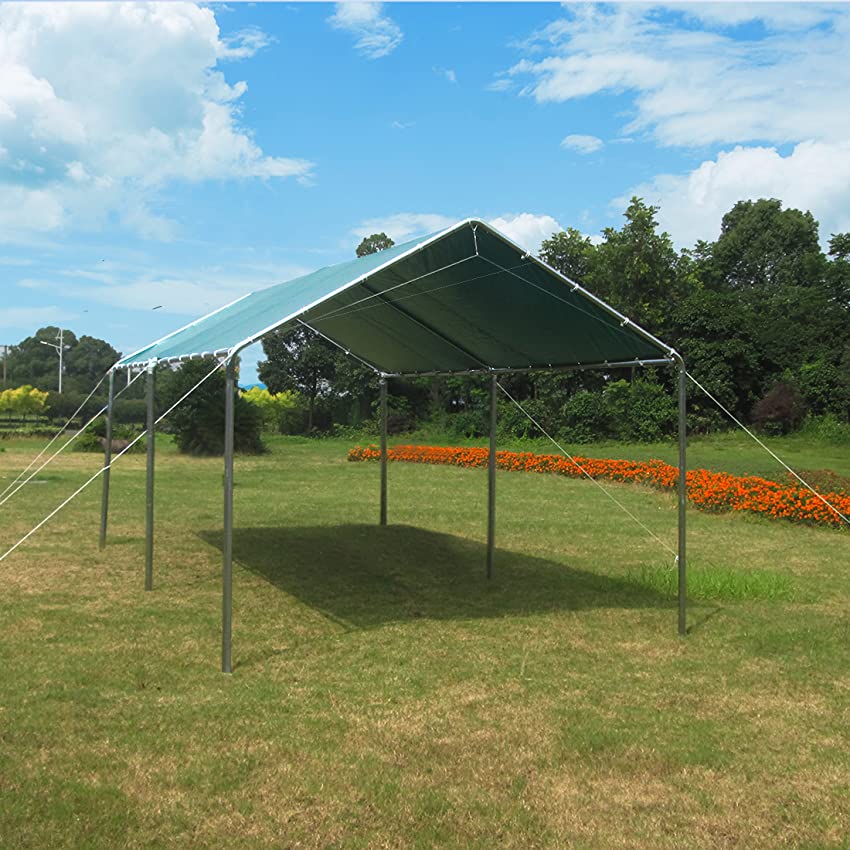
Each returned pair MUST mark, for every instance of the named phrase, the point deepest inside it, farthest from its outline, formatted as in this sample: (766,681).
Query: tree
(636,268)
(298,359)
(85,360)
(374,243)
(762,245)
(571,253)
(30,362)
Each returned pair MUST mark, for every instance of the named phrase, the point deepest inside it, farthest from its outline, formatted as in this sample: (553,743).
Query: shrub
(585,418)
(90,439)
(780,410)
(198,422)
(824,387)
(643,411)
(282,413)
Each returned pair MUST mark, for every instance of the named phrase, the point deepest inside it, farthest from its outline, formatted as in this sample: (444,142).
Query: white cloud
(527,229)
(402,125)
(376,34)
(814,176)
(697,78)
(696,85)
(403,226)
(582,144)
(103,102)
(447,73)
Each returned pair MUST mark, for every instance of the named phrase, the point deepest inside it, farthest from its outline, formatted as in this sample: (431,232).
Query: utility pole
(5,357)
(60,349)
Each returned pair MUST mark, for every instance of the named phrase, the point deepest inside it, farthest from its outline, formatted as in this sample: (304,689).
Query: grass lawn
(384,695)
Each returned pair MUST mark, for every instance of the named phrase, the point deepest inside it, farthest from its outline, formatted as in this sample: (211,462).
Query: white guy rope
(109,466)
(55,436)
(769,451)
(62,447)
(563,451)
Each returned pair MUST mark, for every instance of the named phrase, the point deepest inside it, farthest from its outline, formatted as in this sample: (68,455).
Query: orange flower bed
(712,491)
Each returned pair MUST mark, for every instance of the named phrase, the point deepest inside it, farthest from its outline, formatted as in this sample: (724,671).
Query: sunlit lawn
(385,694)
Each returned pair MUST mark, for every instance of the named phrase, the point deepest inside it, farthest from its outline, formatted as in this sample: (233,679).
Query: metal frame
(491,477)
(383,405)
(672,357)
(149,500)
(227,548)
(107,460)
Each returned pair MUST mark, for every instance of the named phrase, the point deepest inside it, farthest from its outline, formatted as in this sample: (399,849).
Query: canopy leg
(383,405)
(107,459)
(150,472)
(227,565)
(491,478)
(683,497)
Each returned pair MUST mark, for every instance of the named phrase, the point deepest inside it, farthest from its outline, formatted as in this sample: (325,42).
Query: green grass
(385,695)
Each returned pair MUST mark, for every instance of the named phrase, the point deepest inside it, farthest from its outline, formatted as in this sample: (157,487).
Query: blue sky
(176,156)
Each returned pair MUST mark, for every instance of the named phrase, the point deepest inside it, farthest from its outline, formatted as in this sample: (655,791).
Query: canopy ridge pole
(383,450)
(681,559)
(491,477)
(227,548)
(465,352)
(150,477)
(341,347)
(107,460)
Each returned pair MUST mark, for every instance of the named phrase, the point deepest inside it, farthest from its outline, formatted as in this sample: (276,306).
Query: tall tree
(299,359)
(571,253)
(636,268)
(374,243)
(30,362)
(763,245)
(87,361)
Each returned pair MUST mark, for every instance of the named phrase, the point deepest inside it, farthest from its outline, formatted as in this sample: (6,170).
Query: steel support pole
(107,459)
(491,477)
(151,444)
(383,451)
(683,497)
(227,548)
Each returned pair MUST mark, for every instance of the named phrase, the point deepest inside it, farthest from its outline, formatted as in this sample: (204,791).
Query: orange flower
(712,491)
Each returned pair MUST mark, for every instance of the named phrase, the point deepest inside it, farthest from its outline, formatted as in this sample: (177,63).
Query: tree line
(760,315)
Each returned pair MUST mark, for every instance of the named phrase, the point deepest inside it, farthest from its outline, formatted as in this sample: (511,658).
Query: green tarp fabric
(465,299)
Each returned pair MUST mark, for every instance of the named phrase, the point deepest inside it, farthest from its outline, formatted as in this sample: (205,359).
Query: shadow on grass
(364,576)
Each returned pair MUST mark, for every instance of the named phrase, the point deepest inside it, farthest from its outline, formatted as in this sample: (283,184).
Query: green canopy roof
(464,299)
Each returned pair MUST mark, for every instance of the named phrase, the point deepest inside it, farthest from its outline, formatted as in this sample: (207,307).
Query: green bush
(585,418)
(280,413)
(90,439)
(640,411)
(198,421)
(827,428)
